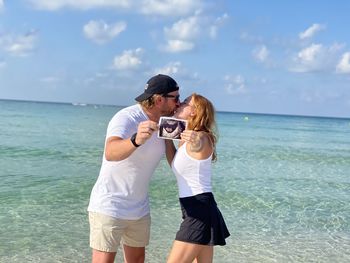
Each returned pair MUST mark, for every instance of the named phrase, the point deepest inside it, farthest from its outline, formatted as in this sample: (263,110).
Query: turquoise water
(281,182)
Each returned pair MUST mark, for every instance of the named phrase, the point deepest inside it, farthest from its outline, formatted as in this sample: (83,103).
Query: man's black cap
(159,84)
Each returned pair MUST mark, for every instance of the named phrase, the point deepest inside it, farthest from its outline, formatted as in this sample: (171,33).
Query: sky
(279,57)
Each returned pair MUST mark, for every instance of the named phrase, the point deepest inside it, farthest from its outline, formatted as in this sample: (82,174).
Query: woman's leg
(183,252)
(205,255)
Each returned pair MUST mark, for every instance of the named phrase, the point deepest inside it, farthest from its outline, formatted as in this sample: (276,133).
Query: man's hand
(145,131)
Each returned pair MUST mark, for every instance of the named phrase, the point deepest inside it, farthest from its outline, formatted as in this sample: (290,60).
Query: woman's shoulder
(202,148)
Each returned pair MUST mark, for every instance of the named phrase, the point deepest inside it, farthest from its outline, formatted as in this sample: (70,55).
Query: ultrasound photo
(171,128)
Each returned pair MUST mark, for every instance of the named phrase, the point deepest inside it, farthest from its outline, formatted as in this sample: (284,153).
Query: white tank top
(193,176)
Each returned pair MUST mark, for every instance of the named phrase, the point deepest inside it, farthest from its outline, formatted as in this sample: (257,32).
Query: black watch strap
(133,140)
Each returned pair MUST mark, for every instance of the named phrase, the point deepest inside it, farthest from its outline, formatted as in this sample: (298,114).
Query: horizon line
(220,111)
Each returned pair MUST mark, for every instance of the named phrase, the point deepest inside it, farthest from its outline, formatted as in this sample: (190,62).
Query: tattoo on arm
(197,145)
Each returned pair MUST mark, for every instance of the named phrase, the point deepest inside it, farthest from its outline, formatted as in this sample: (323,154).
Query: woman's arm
(199,145)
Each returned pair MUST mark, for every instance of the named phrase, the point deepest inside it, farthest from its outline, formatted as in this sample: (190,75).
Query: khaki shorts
(107,232)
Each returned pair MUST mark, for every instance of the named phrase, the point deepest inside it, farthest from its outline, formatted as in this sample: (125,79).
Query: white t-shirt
(121,190)
(193,176)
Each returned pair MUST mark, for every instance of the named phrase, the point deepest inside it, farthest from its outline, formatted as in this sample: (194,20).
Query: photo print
(171,128)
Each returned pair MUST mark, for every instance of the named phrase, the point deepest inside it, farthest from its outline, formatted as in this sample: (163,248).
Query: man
(119,204)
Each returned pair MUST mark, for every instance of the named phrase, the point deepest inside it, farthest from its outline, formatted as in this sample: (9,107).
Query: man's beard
(168,113)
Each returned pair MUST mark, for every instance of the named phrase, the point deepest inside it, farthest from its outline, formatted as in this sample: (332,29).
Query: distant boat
(79,104)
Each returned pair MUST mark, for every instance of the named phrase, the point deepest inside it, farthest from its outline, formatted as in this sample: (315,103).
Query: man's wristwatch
(133,140)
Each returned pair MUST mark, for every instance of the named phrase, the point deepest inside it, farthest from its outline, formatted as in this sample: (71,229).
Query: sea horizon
(219,111)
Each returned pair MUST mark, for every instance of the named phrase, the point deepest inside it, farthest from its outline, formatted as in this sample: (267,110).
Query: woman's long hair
(204,120)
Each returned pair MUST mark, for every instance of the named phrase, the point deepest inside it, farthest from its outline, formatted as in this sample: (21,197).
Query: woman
(203,225)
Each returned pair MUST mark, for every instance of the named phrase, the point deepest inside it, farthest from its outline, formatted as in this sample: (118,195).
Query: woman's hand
(194,138)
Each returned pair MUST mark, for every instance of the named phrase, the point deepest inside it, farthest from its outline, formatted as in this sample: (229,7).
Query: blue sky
(282,57)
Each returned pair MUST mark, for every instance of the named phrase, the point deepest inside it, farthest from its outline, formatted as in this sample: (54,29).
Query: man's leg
(134,254)
(135,239)
(102,257)
(105,235)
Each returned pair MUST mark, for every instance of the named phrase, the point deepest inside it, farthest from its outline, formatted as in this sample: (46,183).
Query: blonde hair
(150,102)
(204,120)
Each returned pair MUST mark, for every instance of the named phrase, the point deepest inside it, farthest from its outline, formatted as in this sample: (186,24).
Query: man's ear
(158,99)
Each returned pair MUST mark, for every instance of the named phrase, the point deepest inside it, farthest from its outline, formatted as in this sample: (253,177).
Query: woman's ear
(193,113)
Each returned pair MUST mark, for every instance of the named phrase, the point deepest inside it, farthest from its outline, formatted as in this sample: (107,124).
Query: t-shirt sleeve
(121,125)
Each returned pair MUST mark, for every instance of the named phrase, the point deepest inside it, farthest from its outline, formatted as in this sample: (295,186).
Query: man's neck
(152,114)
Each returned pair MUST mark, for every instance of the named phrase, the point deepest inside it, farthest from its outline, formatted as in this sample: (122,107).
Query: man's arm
(118,149)
(170,150)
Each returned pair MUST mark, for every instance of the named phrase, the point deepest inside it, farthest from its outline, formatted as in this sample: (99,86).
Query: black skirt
(202,221)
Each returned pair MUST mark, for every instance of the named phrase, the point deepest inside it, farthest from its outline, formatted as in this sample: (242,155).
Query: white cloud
(177,70)
(184,29)
(344,64)
(218,22)
(147,7)
(100,32)
(170,69)
(21,45)
(53,5)
(311,31)
(1,4)
(309,59)
(317,57)
(336,47)
(261,54)
(169,7)
(182,35)
(174,46)
(309,54)
(235,84)
(130,59)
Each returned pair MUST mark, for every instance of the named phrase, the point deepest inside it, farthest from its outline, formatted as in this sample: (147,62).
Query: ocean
(282,184)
